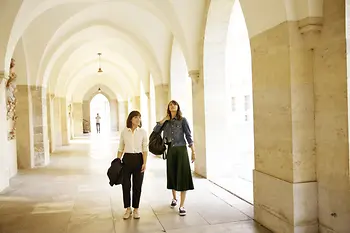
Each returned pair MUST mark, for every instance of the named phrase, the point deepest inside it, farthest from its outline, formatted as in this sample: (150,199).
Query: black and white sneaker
(182,211)
(173,203)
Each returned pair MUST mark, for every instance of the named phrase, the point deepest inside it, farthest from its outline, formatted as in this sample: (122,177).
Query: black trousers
(98,127)
(132,163)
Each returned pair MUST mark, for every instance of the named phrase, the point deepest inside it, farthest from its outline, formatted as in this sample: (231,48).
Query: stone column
(285,186)
(199,117)
(25,139)
(123,114)
(78,119)
(50,121)
(33,140)
(57,121)
(64,121)
(331,120)
(86,116)
(4,168)
(150,123)
(41,138)
(136,103)
(114,114)
(162,99)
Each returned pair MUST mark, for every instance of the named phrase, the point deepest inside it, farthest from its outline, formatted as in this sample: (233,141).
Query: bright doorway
(100,105)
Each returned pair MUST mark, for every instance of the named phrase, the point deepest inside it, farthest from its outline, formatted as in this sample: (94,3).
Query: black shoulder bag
(157,144)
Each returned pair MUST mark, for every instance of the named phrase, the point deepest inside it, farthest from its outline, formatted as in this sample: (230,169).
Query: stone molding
(2,76)
(165,87)
(310,24)
(310,28)
(194,75)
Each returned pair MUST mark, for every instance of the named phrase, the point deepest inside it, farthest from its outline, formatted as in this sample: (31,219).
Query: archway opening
(100,115)
(181,85)
(228,74)
(241,129)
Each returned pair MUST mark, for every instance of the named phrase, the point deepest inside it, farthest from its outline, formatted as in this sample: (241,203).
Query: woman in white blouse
(133,148)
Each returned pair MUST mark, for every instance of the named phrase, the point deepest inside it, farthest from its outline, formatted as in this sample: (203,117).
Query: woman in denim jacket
(179,176)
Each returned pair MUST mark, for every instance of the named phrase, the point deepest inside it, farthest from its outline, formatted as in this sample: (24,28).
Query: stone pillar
(285,186)
(64,121)
(150,123)
(77,119)
(123,113)
(41,138)
(25,139)
(33,140)
(136,103)
(50,121)
(57,121)
(4,168)
(331,120)
(86,117)
(162,100)
(114,114)
(199,117)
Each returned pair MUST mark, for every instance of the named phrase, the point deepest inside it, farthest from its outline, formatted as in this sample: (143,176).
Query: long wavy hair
(131,115)
(178,113)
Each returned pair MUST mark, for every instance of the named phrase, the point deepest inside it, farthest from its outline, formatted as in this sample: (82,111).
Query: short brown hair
(178,113)
(131,115)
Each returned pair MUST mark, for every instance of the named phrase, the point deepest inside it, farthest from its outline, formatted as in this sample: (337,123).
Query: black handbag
(157,144)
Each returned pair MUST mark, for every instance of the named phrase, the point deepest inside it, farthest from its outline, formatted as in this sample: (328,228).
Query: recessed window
(246,102)
(233,104)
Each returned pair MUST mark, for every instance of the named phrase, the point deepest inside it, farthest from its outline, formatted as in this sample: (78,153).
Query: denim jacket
(175,132)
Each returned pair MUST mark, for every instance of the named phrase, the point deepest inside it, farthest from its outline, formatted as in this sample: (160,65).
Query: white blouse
(133,142)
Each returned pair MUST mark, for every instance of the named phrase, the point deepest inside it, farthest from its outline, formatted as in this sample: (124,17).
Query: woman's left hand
(143,168)
(193,157)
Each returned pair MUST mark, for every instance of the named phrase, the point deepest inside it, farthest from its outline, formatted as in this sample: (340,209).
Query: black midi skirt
(179,175)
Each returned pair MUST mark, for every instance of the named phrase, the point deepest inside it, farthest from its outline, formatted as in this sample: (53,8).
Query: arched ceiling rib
(103,40)
(115,12)
(110,56)
(89,74)
(90,93)
(77,89)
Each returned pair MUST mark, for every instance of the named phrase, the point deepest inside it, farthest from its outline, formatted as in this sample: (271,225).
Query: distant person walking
(98,125)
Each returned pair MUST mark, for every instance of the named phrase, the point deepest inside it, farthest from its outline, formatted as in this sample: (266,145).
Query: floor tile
(72,195)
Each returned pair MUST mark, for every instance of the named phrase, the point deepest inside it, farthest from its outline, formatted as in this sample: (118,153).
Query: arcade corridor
(72,195)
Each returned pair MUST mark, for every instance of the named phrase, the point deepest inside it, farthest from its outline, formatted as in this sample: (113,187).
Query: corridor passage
(72,195)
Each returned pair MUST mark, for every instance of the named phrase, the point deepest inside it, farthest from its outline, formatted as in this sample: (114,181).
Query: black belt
(133,153)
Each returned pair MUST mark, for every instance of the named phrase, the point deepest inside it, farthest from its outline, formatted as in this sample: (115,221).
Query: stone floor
(72,195)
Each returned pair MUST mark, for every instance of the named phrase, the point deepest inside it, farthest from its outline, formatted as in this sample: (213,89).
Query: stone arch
(105,90)
(29,12)
(55,50)
(124,89)
(276,44)
(8,11)
(113,104)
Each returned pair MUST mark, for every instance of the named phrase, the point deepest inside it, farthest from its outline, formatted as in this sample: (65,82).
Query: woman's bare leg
(174,194)
(183,197)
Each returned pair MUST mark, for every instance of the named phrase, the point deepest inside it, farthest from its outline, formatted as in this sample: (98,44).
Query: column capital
(165,87)
(194,75)
(2,76)
(310,29)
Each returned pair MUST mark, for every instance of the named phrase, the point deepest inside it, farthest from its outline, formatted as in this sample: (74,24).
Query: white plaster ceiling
(61,38)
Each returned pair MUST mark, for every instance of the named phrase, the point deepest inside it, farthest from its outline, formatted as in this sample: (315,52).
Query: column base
(285,207)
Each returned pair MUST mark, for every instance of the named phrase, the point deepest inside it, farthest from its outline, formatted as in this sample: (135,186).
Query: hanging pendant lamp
(100,71)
